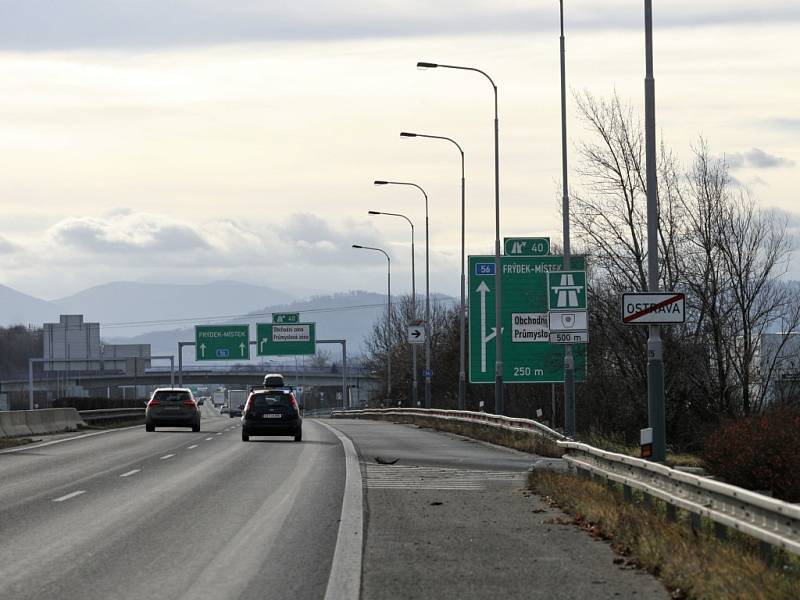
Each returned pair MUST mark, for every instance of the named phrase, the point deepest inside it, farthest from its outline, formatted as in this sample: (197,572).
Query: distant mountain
(17,308)
(133,302)
(348,316)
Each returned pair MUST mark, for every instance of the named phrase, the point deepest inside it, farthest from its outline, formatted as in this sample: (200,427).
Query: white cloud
(756,158)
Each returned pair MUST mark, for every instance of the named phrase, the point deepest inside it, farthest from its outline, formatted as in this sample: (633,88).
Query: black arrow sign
(416,333)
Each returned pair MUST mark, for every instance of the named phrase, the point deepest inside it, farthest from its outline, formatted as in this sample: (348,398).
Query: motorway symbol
(568,321)
(285,318)
(656,308)
(416,334)
(528,355)
(222,342)
(567,290)
(286,340)
(527,246)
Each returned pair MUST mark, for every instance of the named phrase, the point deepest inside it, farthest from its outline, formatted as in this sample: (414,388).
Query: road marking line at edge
(129,473)
(345,578)
(68,496)
(77,437)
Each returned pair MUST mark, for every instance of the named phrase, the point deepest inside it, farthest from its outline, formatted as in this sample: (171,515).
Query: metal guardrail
(772,521)
(509,423)
(111,414)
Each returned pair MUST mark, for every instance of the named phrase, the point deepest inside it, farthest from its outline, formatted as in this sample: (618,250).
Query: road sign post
(222,342)
(529,355)
(285,340)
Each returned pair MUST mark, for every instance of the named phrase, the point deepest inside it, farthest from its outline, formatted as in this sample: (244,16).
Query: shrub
(759,452)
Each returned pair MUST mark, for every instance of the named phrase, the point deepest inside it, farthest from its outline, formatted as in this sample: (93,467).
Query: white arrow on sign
(241,348)
(483,289)
(261,345)
(202,350)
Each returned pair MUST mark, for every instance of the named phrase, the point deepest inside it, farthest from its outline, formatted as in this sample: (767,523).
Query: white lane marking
(192,447)
(68,496)
(77,437)
(345,578)
(219,433)
(166,456)
(129,473)
(209,439)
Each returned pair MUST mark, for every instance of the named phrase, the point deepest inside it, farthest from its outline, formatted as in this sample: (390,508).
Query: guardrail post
(627,493)
(696,521)
(765,551)
(720,531)
(672,512)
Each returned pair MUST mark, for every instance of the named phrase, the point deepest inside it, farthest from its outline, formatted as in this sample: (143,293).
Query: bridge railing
(767,519)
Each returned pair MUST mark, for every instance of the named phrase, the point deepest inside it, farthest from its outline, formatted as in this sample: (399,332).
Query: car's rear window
(265,400)
(172,396)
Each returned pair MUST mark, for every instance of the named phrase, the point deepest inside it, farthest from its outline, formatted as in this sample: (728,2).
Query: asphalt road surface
(171,514)
(126,514)
(450,519)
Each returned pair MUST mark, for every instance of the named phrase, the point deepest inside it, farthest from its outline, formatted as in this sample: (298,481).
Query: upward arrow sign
(202,350)
(242,348)
(483,289)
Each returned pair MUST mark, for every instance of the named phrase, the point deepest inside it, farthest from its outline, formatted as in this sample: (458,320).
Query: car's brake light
(294,403)
(189,403)
(248,404)
(154,402)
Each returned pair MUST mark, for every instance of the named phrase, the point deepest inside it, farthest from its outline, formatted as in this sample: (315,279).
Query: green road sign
(527,246)
(286,340)
(528,355)
(285,318)
(222,342)
(566,290)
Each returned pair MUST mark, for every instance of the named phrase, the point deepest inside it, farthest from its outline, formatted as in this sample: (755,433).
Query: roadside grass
(14,442)
(619,446)
(692,563)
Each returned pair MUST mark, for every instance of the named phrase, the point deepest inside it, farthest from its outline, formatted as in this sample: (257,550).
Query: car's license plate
(172,408)
(272,416)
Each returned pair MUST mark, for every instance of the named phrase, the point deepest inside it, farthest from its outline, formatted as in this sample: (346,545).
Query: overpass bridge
(360,384)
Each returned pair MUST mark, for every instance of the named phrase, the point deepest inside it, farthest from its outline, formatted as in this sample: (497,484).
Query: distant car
(200,401)
(172,407)
(272,412)
(273,380)
(223,410)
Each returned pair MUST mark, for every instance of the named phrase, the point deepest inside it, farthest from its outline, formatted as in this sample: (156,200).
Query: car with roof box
(272,411)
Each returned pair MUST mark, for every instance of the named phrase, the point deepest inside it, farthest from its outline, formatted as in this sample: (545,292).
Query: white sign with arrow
(416,334)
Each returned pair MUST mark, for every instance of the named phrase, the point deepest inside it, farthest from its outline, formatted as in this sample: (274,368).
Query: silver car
(172,407)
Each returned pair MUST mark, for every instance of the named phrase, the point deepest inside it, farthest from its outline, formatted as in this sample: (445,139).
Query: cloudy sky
(198,140)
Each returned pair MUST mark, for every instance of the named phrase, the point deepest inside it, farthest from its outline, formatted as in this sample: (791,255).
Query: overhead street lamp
(427,289)
(413,303)
(388,317)
(498,298)
(462,370)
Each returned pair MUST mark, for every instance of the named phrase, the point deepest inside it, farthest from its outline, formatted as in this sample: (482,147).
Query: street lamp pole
(388,317)
(655,360)
(462,370)
(498,297)
(427,289)
(413,304)
(569,360)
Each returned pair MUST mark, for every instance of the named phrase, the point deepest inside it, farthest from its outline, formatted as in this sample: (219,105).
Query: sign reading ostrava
(527,246)
(285,318)
(643,308)
(285,340)
(222,342)
(528,355)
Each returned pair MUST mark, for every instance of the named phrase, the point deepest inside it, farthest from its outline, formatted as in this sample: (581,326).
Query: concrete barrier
(39,422)
(14,423)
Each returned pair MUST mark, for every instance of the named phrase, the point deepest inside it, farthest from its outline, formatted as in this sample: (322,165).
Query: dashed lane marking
(68,496)
(129,473)
(209,439)
(166,456)
(192,447)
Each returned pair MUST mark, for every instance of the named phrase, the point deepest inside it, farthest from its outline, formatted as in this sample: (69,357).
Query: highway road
(175,514)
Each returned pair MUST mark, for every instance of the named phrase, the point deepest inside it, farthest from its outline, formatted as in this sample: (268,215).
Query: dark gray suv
(172,407)
(272,412)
